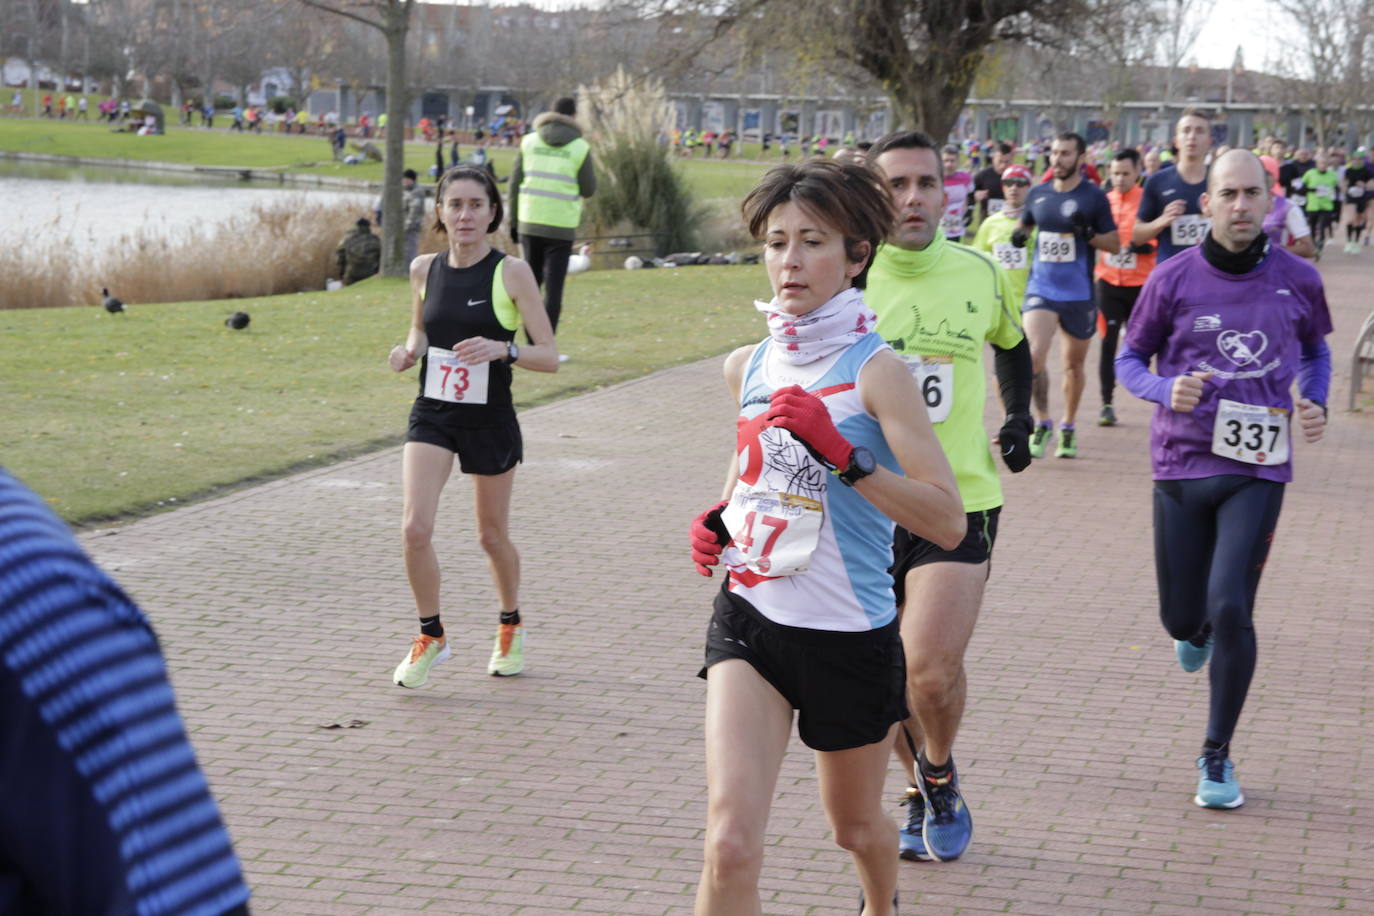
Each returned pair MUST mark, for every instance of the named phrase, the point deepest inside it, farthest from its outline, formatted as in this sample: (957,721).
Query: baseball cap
(1016,171)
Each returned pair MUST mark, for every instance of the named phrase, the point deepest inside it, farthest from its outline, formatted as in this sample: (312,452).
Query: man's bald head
(1237,166)
(1237,198)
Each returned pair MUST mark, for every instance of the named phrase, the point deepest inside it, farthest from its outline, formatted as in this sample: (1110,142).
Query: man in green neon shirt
(994,235)
(938,303)
(1320,184)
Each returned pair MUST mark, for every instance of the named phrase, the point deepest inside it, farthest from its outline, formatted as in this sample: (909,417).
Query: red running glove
(709,537)
(804,416)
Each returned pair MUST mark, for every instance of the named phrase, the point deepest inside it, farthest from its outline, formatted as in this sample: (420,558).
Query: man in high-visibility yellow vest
(553,172)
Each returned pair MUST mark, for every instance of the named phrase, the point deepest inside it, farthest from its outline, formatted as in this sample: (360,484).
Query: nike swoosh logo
(476,301)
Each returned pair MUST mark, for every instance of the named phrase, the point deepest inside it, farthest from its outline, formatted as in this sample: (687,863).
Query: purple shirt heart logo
(1242,349)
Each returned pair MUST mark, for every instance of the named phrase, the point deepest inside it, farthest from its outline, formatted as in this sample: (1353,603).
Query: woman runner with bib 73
(834,446)
(468,301)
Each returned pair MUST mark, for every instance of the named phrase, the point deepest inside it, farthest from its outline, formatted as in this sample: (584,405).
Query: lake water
(96,207)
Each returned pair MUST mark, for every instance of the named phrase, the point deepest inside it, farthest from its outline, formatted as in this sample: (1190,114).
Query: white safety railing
(1361,358)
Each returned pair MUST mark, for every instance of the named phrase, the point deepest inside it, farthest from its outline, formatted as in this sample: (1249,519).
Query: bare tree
(1328,77)
(1181,22)
(392,19)
(925,54)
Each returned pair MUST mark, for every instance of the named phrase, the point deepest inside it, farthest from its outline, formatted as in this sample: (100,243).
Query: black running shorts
(910,551)
(487,450)
(848,688)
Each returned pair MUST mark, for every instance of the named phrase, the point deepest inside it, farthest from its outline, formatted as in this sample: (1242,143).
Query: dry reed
(283,247)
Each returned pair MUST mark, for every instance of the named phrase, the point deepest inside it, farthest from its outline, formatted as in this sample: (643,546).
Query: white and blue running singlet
(846,585)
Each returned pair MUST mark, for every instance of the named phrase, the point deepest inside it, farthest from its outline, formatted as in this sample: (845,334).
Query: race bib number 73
(448,379)
(1250,433)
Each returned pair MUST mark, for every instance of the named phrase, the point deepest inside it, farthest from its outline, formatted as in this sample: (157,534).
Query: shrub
(638,180)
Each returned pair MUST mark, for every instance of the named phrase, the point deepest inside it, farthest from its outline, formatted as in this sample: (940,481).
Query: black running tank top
(459,304)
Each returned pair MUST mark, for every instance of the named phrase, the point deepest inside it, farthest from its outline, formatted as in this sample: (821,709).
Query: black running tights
(1115,303)
(1212,537)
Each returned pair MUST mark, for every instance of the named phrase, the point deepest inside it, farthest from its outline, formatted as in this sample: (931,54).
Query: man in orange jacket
(1120,276)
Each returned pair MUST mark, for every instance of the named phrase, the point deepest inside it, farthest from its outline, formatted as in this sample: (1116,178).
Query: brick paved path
(578,788)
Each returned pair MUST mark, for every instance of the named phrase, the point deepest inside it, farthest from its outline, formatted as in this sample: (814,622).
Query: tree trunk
(928,100)
(32,57)
(397,103)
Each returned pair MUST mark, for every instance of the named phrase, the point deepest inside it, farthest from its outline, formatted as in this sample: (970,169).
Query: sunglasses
(1016,182)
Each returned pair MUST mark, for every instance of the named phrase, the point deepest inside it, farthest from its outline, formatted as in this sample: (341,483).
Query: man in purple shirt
(1231,323)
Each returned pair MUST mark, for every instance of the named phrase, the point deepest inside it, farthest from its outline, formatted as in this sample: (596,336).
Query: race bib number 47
(1057,247)
(448,379)
(1249,433)
(935,375)
(1189,229)
(775,532)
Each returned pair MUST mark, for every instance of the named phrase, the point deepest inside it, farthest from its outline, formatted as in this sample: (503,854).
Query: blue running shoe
(1191,656)
(948,826)
(913,844)
(1217,787)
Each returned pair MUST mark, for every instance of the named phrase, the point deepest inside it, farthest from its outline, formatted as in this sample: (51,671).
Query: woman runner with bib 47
(468,302)
(834,446)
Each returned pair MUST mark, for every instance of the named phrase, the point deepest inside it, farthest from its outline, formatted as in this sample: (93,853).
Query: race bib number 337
(448,379)
(1250,433)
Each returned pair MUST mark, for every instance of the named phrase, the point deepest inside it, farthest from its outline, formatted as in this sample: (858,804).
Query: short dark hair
(469,173)
(364,223)
(1069,135)
(1004,148)
(1193,113)
(409,173)
(1128,154)
(567,105)
(907,139)
(850,197)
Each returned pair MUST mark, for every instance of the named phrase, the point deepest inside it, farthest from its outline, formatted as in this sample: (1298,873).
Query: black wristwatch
(512,352)
(861,464)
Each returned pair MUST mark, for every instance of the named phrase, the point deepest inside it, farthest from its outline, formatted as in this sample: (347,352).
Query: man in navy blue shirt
(1171,206)
(1071,217)
(103,808)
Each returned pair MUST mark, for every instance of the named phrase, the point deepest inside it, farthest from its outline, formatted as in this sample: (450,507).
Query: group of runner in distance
(854,531)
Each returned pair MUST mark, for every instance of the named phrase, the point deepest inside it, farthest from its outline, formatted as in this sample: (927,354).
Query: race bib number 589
(1057,247)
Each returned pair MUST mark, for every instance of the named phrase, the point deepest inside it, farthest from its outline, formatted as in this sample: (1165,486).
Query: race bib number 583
(1250,433)
(448,379)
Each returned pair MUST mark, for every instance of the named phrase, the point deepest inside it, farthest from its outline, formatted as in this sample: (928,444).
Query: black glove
(1081,228)
(1140,248)
(1014,439)
(1019,236)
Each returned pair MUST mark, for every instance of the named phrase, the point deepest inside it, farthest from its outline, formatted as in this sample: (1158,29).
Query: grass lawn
(307,154)
(114,416)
